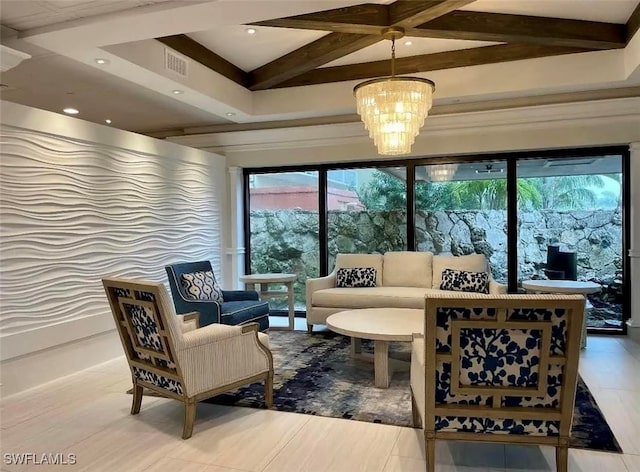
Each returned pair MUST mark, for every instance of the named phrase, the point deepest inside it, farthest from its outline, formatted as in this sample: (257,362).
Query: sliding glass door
(367,211)
(283,228)
(511,208)
(462,209)
(570,226)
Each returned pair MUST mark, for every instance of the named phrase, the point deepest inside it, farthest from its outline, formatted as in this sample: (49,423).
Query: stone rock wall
(287,240)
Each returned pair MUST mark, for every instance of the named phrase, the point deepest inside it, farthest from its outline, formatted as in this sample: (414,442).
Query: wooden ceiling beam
(470,25)
(410,13)
(633,23)
(498,27)
(326,49)
(196,51)
(368,18)
(430,62)
(359,26)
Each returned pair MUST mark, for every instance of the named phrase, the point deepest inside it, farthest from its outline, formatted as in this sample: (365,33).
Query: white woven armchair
(171,355)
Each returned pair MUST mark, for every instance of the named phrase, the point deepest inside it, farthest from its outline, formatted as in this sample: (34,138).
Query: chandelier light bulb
(442,172)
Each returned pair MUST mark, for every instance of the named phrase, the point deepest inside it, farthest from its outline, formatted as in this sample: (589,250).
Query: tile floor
(87,415)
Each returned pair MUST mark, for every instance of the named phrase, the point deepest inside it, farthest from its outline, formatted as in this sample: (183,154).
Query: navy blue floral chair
(498,368)
(194,288)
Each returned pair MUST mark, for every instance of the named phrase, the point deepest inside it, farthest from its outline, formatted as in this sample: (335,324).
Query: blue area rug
(315,374)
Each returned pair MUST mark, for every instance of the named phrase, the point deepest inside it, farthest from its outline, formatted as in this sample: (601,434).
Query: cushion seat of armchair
(245,311)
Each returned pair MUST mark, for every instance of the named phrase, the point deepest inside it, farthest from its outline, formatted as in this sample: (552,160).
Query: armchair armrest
(209,334)
(208,310)
(190,321)
(496,288)
(313,285)
(219,355)
(249,327)
(239,295)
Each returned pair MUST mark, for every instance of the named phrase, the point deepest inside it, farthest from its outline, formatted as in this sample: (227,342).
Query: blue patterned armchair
(171,355)
(194,288)
(499,368)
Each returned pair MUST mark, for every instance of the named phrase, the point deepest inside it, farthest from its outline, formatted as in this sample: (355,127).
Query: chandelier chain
(393,57)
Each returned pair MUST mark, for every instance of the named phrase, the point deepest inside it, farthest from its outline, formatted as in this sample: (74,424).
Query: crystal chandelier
(442,173)
(393,109)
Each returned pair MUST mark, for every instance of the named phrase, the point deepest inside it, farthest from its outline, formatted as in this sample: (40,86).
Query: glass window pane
(462,209)
(284,225)
(367,210)
(574,205)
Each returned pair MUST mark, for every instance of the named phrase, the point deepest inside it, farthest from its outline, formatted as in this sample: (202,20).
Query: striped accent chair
(497,368)
(171,355)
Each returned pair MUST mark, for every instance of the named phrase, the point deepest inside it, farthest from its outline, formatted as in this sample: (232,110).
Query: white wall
(81,201)
(582,124)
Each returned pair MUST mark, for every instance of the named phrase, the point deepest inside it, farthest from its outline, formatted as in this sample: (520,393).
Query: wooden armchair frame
(158,343)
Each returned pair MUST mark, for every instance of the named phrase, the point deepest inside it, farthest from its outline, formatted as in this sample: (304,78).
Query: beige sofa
(402,281)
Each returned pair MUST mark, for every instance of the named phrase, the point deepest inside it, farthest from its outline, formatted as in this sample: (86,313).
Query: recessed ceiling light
(101,61)
(408,43)
(71,111)
(107,121)
(177,92)
(230,114)
(251,31)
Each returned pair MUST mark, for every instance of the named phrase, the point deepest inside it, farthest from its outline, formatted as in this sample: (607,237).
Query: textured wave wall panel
(73,212)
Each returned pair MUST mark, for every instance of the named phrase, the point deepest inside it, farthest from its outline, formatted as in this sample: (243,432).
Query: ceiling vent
(488,169)
(569,162)
(175,62)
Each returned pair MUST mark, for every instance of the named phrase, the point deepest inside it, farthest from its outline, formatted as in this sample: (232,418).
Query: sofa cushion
(361,260)
(465,281)
(471,263)
(373,297)
(407,269)
(201,286)
(356,277)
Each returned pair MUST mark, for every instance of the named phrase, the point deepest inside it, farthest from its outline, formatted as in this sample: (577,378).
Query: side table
(568,287)
(263,280)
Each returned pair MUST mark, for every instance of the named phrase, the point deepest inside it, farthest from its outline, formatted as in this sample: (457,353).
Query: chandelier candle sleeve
(393,110)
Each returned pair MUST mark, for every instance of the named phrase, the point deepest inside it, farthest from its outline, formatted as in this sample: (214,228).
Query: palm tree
(491,194)
(388,192)
(385,192)
(569,192)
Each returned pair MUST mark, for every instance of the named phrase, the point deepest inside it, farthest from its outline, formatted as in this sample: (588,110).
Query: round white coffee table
(382,325)
(565,286)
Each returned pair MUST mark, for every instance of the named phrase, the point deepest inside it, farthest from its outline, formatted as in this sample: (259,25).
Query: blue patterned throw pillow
(356,277)
(464,281)
(201,286)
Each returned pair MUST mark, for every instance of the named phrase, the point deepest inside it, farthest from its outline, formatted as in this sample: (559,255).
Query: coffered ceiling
(304,58)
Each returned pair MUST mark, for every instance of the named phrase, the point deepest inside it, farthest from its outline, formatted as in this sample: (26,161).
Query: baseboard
(633,331)
(28,371)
